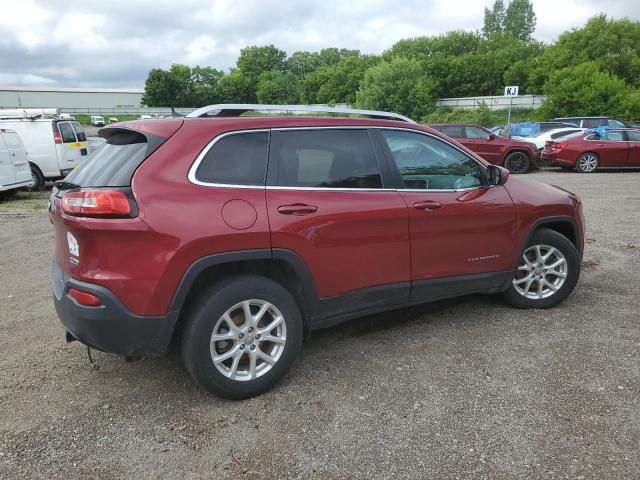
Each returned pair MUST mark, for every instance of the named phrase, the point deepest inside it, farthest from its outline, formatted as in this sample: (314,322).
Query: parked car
(593,122)
(516,156)
(97,121)
(14,166)
(526,129)
(599,148)
(498,129)
(55,146)
(229,236)
(540,139)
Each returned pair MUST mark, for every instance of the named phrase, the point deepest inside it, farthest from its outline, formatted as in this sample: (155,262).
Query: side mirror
(498,175)
(492,136)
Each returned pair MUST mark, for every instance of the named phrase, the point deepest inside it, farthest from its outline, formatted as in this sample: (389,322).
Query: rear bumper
(111,327)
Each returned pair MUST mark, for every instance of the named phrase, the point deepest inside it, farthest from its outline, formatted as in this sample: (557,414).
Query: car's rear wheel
(38,179)
(547,271)
(242,336)
(517,162)
(587,163)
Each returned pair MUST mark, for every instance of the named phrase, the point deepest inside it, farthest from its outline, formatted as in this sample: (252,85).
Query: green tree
(337,83)
(584,90)
(276,87)
(205,83)
(399,85)
(520,19)
(168,88)
(494,19)
(236,88)
(303,63)
(255,60)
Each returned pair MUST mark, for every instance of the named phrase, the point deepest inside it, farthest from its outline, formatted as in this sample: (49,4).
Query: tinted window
(478,133)
(593,122)
(325,159)
(431,164)
(66,132)
(79,132)
(452,131)
(615,123)
(633,135)
(113,164)
(239,159)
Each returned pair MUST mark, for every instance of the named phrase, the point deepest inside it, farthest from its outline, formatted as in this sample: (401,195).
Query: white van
(55,146)
(97,121)
(14,166)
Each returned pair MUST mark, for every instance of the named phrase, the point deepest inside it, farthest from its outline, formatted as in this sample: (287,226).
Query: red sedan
(619,147)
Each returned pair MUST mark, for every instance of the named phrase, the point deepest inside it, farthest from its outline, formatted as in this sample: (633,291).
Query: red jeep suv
(515,155)
(228,236)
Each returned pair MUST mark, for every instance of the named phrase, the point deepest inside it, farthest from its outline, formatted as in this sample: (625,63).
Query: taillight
(97,203)
(57,138)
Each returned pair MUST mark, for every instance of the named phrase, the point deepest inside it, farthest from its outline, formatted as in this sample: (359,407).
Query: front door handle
(427,205)
(297,209)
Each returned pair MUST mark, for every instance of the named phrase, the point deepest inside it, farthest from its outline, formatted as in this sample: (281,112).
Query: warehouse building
(72,100)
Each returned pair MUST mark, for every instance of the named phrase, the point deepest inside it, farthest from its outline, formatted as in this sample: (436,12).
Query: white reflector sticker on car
(74,249)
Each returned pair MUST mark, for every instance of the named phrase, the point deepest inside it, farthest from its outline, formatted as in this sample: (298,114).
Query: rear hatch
(93,210)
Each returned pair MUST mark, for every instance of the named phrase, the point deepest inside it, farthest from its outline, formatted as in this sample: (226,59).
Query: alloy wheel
(541,273)
(588,162)
(248,340)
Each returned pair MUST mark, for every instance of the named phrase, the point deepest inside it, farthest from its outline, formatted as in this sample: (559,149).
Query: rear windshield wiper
(64,185)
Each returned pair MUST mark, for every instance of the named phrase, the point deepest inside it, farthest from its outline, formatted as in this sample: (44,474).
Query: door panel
(633,159)
(6,164)
(326,204)
(459,226)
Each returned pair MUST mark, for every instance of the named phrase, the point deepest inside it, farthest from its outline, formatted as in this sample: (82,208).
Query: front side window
(477,133)
(325,158)
(66,132)
(79,132)
(238,159)
(615,136)
(427,163)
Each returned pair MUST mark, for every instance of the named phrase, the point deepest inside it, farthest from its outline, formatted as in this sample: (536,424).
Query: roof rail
(29,113)
(235,110)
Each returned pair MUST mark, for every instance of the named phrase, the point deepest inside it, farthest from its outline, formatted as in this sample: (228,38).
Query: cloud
(115,44)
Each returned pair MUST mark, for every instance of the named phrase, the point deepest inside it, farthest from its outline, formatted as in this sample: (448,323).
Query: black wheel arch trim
(289,257)
(548,220)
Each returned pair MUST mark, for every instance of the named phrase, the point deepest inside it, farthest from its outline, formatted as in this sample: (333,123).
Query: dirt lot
(468,388)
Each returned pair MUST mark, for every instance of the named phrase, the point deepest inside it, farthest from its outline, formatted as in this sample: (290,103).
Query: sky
(114,43)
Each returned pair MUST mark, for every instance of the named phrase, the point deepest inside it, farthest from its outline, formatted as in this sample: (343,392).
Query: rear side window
(238,159)
(13,141)
(452,131)
(66,132)
(564,133)
(477,133)
(330,158)
(113,164)
(77,128)
(593,122)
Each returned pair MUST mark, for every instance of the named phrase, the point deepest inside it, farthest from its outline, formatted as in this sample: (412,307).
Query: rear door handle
(297,209)
(427,205)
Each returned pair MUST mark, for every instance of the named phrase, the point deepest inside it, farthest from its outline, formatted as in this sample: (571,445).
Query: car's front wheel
(547,271)
(517,162)
(242,336)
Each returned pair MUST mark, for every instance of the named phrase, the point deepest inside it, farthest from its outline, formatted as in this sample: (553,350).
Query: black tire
(588,162)
(517,162)
(38,179)
(554,239)
(201,320)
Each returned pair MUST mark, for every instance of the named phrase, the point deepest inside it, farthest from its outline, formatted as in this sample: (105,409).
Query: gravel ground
(468,388)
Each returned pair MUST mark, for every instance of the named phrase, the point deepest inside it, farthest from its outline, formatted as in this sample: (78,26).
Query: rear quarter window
(236,159)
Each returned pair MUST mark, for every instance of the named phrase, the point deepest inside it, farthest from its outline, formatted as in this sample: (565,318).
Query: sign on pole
(510,92)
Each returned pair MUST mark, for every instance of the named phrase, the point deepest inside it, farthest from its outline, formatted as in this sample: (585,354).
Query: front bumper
(111,327)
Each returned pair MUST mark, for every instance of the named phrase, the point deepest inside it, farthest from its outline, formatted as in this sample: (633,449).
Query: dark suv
(515,155)
(229,236)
